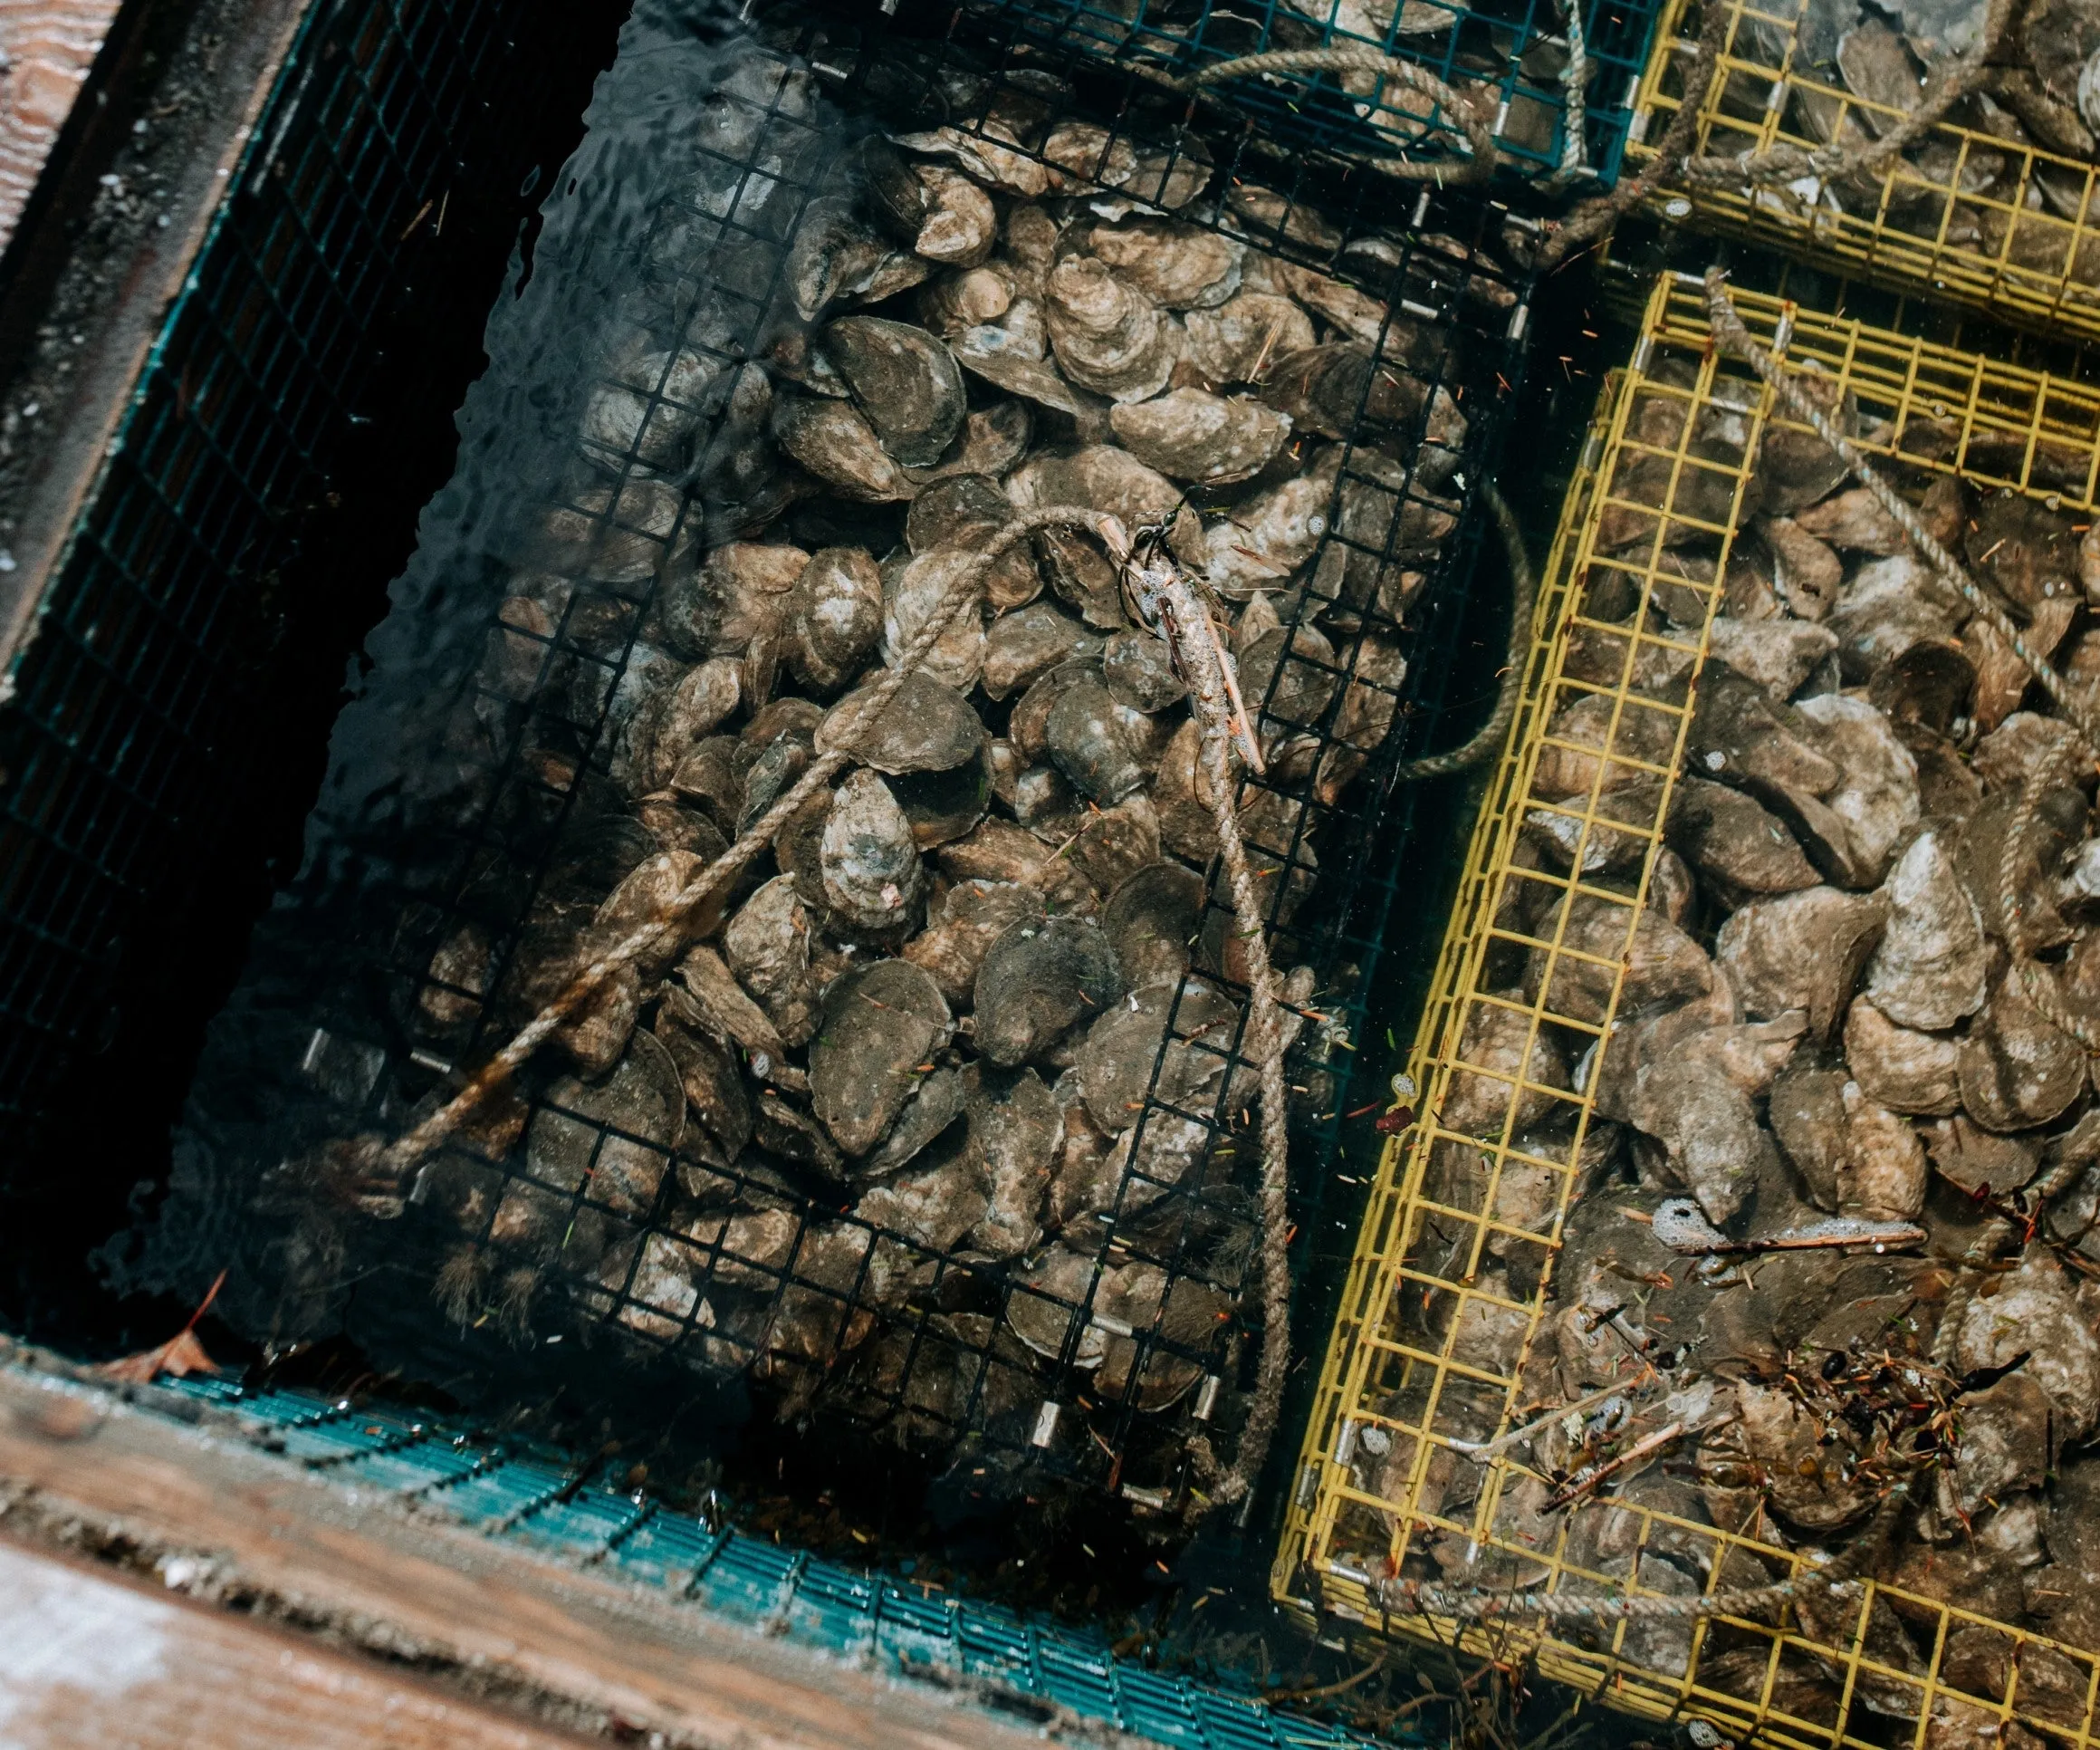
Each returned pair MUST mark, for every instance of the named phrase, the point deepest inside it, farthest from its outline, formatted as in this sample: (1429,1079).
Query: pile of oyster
(918,1117)
(1816,1016)
(2041,95)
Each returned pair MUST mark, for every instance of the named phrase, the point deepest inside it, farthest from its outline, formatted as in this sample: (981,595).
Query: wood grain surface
(576,1647)
(90,1659)
(46,48)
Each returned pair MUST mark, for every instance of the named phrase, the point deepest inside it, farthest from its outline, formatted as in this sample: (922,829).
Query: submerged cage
(494,742)
(1972,214)
(1510,63)
(1457,1258)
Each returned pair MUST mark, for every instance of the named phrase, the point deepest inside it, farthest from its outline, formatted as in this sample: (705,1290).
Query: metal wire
(1910,221)
(1408,1467)
(938,1363)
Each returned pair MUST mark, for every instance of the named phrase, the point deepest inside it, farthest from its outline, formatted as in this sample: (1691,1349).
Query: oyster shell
(872,876)
(1035,984)
(918,589)
(881,1025)
(1930,970)
(1108,335)
(906,382)
(1902,1069)
(1150,920)
(1237,341)
(927,727)
(1021,648)
(837,443)
(613,1135)
(962,927)
(833,619)
(767,945)
(2015,1068)
(1178,266)
(1190,435)
(1509,1065)
(1802,951)
(959,513)
(2035,1314)
(1729,837)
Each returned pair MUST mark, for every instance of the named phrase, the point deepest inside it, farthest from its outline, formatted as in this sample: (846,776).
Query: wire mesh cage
(891,1189)
(1992,208)
(1477,1277)
(515,1490)
(1510,63)
(125,710)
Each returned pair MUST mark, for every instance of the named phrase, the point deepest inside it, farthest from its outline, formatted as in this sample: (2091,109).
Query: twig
(1517,1437)
(1590,1475)
(1679,1223)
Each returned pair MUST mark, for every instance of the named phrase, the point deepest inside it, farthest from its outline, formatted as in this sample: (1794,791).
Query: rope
(1785,163)
(1423,84)
(1596,219)
(1482,1605)
(1265,1033)
(722,874)
(1486,740)
(1729,329)
(2041,986)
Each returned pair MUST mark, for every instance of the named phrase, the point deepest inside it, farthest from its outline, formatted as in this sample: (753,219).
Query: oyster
(1178,266)
(1930,969)
(837,443)
(1240,339)
(1035,983)
(960,512)
(833,619)
(872,876)
(904,381)
(881,1025)
(1108,335)
(1190,435)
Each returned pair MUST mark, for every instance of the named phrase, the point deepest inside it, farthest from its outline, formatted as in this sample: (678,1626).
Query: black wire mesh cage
(124,707)
(1553,82)
(944,1129)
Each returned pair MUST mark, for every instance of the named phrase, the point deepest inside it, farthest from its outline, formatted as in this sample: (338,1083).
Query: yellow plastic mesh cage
(1995,224)
(1453,1274)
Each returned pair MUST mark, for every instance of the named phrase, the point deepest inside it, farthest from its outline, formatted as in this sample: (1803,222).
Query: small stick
(1590,1475)
(1680,1225)
(1516,1437)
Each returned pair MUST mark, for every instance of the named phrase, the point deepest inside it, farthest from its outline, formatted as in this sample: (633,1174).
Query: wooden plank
(210,1516)
(88,1657)
(50,45)
(231,52)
